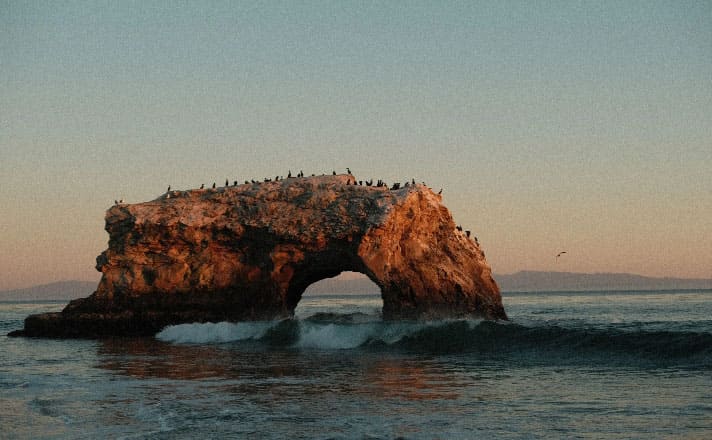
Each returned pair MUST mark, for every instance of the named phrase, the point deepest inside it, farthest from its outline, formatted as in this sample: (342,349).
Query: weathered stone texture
(248,252)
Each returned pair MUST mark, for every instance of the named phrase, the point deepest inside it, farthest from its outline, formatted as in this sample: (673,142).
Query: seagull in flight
(560,253)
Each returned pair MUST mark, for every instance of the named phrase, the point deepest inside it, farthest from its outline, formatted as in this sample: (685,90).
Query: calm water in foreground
(568,365)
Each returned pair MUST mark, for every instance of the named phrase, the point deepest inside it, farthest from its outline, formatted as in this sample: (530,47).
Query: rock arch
(248,252)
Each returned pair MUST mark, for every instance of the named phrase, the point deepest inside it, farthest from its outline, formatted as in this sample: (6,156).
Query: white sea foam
(344,336)
(307,334)
(334,336)
(214,332)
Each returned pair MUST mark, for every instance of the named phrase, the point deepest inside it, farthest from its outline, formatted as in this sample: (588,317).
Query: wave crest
(349,332)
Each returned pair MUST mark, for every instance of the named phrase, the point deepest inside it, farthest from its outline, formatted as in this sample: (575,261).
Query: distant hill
(534,281)
(524,281)
(61,291)
(531,281)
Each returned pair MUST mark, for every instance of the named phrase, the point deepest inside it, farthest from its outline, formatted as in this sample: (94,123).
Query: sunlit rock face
(248,252)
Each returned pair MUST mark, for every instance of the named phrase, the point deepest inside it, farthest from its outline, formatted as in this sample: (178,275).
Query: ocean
(567,365)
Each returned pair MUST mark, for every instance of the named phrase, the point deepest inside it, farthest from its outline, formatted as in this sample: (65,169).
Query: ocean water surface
(567,365)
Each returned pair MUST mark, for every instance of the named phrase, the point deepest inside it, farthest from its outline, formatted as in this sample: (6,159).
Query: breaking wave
(215,332)
(359,331)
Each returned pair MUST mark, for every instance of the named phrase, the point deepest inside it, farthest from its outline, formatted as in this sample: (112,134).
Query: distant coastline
(535,281)
(523,281)
(58,291)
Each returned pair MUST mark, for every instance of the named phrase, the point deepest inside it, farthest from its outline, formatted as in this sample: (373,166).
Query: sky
(550,126)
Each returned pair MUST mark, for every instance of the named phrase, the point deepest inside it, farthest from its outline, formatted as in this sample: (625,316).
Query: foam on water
(333,336)
(214,332)
(340,332)
(347,336)
(318,333)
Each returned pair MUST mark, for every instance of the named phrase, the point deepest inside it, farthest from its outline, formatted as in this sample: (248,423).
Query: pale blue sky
(575,126)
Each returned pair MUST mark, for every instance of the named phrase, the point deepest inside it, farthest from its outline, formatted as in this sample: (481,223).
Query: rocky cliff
(248,252)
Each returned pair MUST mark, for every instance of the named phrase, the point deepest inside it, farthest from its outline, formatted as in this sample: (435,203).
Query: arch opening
(345,293)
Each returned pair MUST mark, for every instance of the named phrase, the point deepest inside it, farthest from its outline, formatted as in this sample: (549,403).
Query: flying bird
(560,253)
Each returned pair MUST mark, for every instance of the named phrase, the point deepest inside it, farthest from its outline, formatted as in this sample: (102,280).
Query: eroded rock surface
(248,252)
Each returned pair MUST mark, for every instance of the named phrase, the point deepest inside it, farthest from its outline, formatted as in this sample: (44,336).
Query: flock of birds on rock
(380,183)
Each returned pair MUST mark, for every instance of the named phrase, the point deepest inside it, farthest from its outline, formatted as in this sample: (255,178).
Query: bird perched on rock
(202,186)
(169,189)
(348,170)
(213,185)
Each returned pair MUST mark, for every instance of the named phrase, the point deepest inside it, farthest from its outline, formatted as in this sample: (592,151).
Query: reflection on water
(405,379)
(252,370)
(150,358)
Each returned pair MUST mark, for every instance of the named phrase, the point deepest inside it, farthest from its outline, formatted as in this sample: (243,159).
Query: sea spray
(326,332)
(339,332)
(209,332)
(309,333)
(348,336)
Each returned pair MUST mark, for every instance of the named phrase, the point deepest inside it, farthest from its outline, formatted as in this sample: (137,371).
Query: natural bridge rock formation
(248,252)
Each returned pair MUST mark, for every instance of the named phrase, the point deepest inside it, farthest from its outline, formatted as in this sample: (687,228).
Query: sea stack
(248,252)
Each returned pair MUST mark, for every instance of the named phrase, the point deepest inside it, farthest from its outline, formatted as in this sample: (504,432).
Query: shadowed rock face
(248,252)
